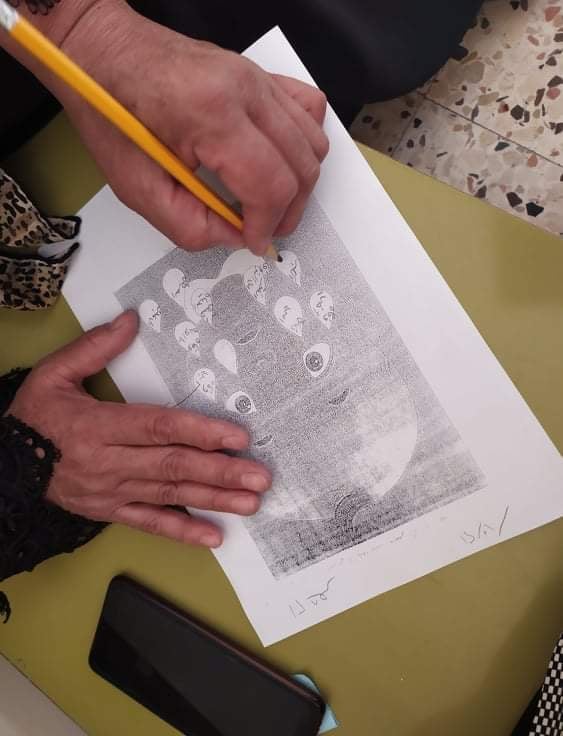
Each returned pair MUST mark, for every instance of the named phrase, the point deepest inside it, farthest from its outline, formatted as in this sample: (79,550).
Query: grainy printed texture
(304,356)
(491,122)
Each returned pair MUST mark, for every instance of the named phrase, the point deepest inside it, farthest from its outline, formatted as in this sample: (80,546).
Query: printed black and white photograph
(302,354)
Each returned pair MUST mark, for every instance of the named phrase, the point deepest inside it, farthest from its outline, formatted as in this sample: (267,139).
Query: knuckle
(322,146)
(171,465)
(245,81)
(311,172)
(161,429)
(205,436)
(320,99)
(216,95)
(88,461)
(123,489)
(153,525)
(216,502)
(228,475)
(283,190)
(167,494)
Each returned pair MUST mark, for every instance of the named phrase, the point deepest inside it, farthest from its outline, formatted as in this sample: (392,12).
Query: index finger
(147,425)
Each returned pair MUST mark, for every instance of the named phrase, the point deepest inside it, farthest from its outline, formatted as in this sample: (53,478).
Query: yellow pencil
(59,63)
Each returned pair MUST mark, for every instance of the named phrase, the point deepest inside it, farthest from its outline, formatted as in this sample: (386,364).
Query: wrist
(96,42)
(67,23)
(53,22)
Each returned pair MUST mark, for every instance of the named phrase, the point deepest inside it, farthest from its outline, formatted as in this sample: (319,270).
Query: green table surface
(460,651)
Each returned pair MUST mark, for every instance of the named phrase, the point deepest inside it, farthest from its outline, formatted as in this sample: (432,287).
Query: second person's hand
(260,133)
(131,463)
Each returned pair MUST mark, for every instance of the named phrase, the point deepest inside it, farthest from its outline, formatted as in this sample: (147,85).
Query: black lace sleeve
(9,384)
(31,528)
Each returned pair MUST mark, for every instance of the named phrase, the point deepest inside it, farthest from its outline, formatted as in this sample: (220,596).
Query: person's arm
(261,133)
(71,462)
(31,529)
(46,16)
(56,19)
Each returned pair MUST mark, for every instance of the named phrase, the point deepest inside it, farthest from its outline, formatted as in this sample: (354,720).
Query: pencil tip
(280,259)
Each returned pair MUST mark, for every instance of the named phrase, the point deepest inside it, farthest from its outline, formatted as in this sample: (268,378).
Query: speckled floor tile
(445,145)
(381,125)
(510,79)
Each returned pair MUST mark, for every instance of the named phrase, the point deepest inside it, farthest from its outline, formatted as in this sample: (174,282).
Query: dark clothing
(358,51)
(31,529)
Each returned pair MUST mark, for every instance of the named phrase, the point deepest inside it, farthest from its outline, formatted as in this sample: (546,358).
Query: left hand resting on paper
(130,464)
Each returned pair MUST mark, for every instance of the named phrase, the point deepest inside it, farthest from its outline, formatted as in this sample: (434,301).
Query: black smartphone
(191,677)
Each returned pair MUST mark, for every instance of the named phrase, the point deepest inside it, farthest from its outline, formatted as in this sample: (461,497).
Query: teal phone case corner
(329,721)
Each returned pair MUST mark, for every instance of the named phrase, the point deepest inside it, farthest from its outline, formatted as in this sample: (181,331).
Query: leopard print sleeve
(29,278)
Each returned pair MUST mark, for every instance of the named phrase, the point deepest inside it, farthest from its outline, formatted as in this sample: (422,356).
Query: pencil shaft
(82,83)
(76,78)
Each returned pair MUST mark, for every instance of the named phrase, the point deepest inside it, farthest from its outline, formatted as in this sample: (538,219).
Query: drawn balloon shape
(238,262)
(225,354)
(187,336)
(322,305)
(150,313)
(204,382)
(198,301)
(289,314)
(254,280)
(290,266)
(174,284)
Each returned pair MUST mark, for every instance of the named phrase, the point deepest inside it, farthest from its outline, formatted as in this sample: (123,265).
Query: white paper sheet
(481,468)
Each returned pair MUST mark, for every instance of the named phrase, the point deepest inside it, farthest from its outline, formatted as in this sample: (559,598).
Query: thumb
(91,352)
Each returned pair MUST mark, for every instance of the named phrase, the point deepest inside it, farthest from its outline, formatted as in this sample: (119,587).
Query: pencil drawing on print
(304,356)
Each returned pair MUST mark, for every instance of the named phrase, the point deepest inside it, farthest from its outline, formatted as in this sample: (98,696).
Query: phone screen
(190,677)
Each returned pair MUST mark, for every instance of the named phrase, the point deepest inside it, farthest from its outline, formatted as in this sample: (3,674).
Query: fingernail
(254,482)
(119,322)
(234,442)
(245,504)
(260,248)
(210,539)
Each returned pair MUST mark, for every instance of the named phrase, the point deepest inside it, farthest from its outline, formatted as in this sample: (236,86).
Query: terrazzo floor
(491,122)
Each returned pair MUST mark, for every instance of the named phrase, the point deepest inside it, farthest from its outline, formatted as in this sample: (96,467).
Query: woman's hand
(130,463)
(260,133)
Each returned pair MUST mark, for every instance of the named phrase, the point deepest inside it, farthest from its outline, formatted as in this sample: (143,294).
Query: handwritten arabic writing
(483,529)
(298,608)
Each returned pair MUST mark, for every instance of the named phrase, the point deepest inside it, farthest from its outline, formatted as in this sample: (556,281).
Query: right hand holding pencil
(261,133)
